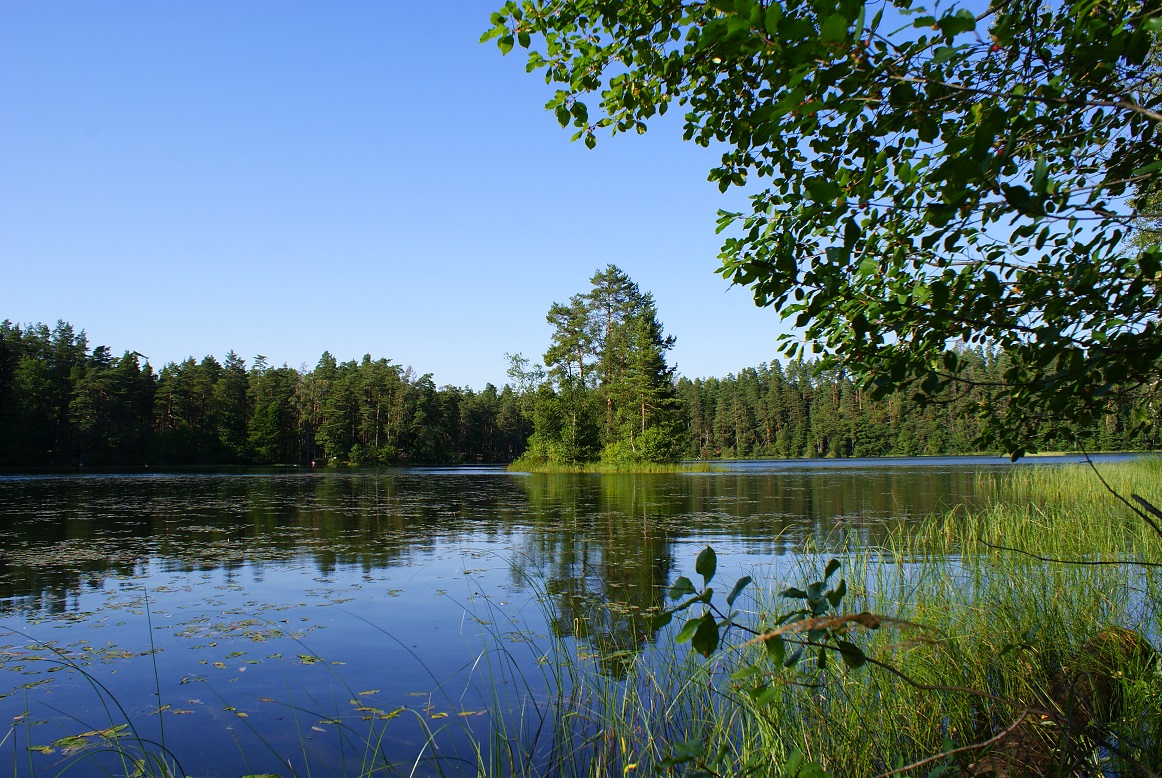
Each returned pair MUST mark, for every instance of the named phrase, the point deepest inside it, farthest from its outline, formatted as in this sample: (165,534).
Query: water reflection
(607,536)
(409,577)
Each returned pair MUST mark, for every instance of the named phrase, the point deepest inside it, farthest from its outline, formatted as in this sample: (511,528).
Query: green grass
(997,627)
(536,466)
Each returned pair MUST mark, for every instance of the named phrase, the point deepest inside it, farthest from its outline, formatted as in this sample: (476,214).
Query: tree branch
(962,750)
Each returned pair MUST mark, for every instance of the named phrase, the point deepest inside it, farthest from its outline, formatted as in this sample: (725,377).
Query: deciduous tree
(933,178)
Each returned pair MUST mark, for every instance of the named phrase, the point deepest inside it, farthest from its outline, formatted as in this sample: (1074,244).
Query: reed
(995,626)
(997,600)
(538,466)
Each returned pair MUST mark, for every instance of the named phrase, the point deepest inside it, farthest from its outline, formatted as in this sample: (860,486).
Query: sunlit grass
(536,466)
(995,623)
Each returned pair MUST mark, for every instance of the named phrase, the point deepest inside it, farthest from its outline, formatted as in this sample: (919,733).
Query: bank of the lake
(642,468)
(459,621)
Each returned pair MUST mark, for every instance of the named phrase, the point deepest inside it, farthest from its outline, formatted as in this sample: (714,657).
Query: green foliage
(815,628)
(612,392)
(959,181)
(655,444)
(62,404)
(801,409)
(1007,632)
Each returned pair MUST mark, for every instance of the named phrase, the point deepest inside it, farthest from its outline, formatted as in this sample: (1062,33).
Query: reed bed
(536,466)
(998,600)
(988,606)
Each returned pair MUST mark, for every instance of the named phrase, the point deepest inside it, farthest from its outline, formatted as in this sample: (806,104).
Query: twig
(866,620)
(963,749)
(1072,561)
(1146,518)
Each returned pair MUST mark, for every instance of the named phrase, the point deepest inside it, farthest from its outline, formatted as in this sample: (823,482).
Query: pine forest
(606,392)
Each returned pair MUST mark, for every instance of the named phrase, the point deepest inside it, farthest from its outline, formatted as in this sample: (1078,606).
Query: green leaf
(688,630)
(493,33)
(767,695)
(851,654)
(960,21)
(857,32)
(682,588)
(1040,169)
(705,640)
(739,585)
(1019,198)
(815,592)
(836,596)
(776,648)
(821,190)
(771,19)
(662,619)
(1151,168)
(706,564)
(746,672)
(813,770)
(793,593)
(833,29)
(794,761)
(832,566)
(944,53)
(685,751)
(851,234)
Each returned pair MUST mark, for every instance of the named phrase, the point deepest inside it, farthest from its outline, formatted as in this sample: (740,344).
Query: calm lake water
(292,621)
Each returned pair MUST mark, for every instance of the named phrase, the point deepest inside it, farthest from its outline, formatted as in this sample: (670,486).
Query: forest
(607,394)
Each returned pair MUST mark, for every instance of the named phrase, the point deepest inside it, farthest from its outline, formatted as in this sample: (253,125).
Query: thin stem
(1095,562)
(962,750)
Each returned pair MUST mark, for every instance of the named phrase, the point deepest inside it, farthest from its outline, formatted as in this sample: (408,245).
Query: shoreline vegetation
(984,614)
(534,466)
(628,468)
(979,624)
(65,404)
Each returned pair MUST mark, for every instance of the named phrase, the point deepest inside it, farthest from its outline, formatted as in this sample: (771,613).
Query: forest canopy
(66,404)
(610,392)
(923,181)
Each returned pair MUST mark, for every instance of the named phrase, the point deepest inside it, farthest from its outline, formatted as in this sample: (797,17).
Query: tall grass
(994,624)
(995,627)
(539,466)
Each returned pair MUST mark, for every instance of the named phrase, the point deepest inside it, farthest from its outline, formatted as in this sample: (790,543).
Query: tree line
(64,404)
(608,393)
(798,410)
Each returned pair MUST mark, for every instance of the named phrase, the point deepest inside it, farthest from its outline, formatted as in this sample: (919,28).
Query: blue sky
(187,178)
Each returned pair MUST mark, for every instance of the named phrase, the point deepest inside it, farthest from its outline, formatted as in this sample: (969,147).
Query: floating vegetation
(306,627)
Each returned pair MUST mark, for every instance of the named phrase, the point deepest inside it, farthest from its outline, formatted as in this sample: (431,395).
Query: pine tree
(608,373)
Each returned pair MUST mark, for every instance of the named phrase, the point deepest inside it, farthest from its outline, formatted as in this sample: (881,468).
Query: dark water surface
(292,621)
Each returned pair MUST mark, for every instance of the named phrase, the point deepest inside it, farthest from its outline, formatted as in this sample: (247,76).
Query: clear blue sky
(186,178)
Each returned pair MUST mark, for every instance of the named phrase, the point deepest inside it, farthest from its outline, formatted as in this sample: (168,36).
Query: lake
(286,621)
